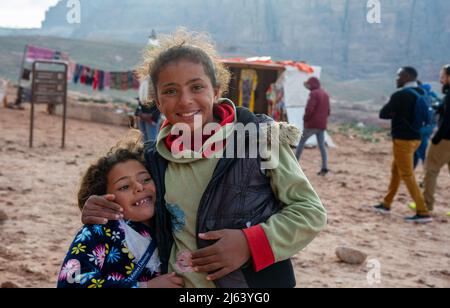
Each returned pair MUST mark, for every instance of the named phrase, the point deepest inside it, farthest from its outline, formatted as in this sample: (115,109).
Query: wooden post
(33,85)
(63,142)
(31,124)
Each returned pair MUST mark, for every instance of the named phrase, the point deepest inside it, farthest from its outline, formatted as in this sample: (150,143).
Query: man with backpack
(409,112)
(439,151)
(427,131)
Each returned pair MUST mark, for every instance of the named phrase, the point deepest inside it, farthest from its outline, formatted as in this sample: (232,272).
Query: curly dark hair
(183,45)
(95,180)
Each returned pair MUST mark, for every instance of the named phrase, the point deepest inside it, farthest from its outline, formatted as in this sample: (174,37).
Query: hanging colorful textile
(96,77)
(101,80)
(136,82)
(71,70)
(115,80)
(247,88)
(89,76)
(276,107)
(107,80)
(38,53)
(83,77)
(78,73)
(124,81)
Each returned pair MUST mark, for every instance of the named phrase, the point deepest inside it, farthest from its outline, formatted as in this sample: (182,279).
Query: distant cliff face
(332,33)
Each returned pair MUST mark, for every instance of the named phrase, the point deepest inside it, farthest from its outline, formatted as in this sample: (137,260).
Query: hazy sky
(23,13)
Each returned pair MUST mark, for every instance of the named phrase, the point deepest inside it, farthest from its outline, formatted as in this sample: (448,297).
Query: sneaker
(419,219)
(381,209)
(323,172)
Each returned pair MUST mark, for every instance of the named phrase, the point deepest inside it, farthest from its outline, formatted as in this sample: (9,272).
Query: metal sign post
(49,86)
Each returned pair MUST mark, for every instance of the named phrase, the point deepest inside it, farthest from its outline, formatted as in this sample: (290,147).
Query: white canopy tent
(296,97)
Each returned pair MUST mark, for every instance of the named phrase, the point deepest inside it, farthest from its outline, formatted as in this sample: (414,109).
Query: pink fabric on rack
(38,53)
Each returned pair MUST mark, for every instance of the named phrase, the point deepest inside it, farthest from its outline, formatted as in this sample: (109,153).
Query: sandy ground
(38,188)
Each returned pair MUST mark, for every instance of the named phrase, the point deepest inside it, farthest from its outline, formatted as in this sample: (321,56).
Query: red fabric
(301,66)
(136,83)
(260,249)
(96,80)
(224,112)
(83,75)
(318,107)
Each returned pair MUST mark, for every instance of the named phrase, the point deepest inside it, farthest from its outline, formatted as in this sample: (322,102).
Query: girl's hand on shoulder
(227,255)
(168,281)
(98,210)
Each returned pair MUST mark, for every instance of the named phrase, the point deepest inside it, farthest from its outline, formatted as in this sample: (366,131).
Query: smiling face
(185,91)
(134,189)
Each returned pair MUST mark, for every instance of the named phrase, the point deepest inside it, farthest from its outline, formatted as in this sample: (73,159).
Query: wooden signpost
(49,86)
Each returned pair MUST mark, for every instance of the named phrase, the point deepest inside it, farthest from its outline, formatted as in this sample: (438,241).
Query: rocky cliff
(332,33)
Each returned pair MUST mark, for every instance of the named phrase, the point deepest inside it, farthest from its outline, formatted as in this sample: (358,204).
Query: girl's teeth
(139,203)
(189,114)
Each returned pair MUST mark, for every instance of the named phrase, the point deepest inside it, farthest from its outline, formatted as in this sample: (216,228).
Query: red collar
(225,113)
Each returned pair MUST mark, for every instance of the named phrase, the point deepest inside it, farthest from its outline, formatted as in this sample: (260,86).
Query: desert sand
(39,217)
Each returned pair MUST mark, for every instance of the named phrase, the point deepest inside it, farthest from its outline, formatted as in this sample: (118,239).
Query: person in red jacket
(315,120)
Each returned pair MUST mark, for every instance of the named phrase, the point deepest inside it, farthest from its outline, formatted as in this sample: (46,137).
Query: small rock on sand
(3,217)
(27,190)
(71,162)
(339,281)
(350,256)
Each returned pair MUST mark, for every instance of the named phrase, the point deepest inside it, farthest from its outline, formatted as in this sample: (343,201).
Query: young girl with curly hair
(108,256)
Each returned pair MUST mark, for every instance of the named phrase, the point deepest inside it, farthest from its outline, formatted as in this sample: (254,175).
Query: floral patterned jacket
(99,258)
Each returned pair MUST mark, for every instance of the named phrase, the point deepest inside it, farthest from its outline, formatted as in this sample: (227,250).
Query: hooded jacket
(318,108)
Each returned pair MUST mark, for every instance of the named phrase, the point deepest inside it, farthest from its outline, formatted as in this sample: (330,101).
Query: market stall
(272,88)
